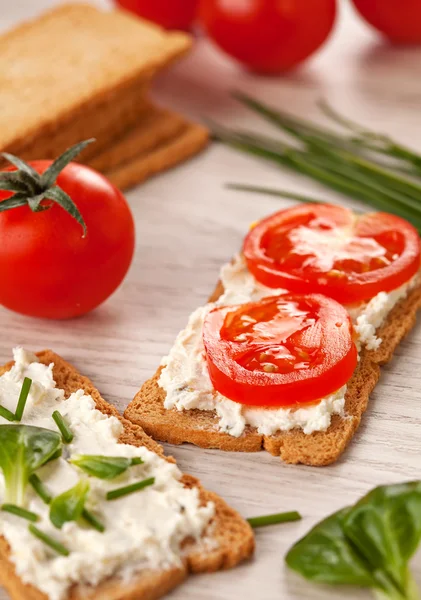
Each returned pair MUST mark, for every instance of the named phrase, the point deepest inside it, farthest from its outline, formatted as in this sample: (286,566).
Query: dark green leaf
(23,450)
(50,175)
(14,202)
(326,556)
(104,467)
(22,165)
(69,505)
(58,195)
(13,182)
(385,526)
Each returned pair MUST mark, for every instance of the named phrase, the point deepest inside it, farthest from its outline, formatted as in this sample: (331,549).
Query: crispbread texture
(163,148)
(56,67)
(232,536)
(294,447)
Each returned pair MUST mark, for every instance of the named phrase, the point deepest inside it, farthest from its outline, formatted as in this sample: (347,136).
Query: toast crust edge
(294,447)
(234,536)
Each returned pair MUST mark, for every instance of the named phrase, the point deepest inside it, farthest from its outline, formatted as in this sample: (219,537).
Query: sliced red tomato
(281,351)
(321,248)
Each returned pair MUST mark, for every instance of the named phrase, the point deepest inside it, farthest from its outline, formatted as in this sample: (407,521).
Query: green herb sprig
(64,429)
(20,512)
(49,541)
(264,521)
(23,450)
(130,489)
(23,397)
(329,158)
(368,544)
(104,467)
(69,506)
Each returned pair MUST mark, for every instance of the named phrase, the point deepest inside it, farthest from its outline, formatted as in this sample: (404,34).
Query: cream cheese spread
(185,377)
(144,530)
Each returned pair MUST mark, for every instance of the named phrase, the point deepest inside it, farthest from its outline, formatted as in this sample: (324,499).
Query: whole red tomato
(268,36)
(171,14)
(48,267)
(399,20)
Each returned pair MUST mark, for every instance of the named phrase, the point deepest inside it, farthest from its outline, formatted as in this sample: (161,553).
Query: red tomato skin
(170,14)
(47,268)
(398,20)
(272,390)
(361,288)
(268,36)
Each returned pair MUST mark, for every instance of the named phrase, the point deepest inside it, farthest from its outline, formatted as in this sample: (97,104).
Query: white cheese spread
(144,530)
(185,377)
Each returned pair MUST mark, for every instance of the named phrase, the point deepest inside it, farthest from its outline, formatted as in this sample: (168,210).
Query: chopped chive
(23,397)
(129,489)
(6,414)
(20,512)
(66,434)
(285,517)
(136,461)
(40,489)
(48,541)
(93,521)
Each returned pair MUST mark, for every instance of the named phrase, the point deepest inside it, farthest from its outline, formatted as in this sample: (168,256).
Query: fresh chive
(49,541)
(93,521)
(65,431)
(40,489)
(285,517)
(20,512)
(239,187)
(129,489)
(6,414)
(23,397)
(136,461)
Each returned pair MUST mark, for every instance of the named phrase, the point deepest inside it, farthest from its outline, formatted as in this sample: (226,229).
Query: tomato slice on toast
(327,249)
(282,351)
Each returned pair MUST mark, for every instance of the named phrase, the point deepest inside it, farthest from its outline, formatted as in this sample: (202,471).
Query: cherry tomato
(47,268)
(398,20)
(171,14)
(268,36)
(314,248)
(281,351)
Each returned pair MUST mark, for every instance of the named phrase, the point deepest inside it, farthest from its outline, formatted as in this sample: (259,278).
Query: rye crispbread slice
(68,61)
(294,447)
(231,536)
(164,145)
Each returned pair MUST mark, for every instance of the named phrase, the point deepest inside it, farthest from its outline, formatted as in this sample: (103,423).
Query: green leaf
(385,526)
(23,450)
(69,505)
(326,556)
(60,197)
(13,182)
(50,175)
(22,165)
(104,467)
(15,201)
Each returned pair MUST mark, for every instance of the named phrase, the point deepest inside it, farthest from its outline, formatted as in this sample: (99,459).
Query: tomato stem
(31,188)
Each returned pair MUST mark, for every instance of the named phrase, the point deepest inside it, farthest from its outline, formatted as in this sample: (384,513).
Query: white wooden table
(187,226)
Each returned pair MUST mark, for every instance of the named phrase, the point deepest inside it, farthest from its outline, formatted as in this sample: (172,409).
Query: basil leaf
(385,526)
(23,450)
(69,505)
(104,467)
(326,556)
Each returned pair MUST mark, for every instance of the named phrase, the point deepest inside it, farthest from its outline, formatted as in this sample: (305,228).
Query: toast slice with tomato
(266,347)
(295,447)
(231,537)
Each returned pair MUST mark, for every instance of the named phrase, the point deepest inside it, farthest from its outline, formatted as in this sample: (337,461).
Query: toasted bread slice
(317,449)
(232,536)
(95,53)
(152,149)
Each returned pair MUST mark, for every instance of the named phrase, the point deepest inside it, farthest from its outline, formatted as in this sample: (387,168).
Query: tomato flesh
(328,249)
(282,351)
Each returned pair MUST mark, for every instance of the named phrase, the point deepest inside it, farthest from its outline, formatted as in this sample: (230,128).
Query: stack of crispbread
(77,72)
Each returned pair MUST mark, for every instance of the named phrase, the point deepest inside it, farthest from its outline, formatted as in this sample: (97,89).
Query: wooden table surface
(187,226)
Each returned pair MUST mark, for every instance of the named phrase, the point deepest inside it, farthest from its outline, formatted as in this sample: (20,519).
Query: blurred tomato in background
(399,20)
(171,14)
(268,36)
